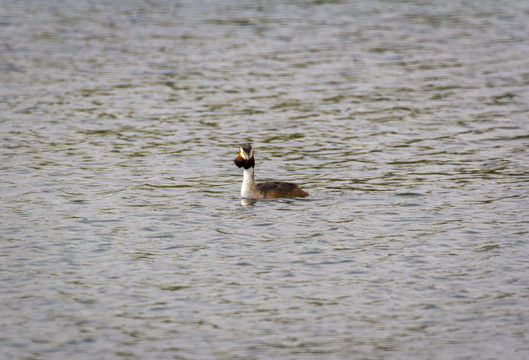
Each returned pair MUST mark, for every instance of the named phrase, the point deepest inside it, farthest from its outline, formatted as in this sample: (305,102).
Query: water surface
(123,233)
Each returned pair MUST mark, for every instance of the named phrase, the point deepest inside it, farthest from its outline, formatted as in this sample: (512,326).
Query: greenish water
(123,234)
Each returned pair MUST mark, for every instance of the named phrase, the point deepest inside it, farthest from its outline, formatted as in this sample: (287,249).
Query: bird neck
(248,176)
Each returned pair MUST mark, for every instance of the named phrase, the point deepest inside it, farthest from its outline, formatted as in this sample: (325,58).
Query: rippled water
(123,234)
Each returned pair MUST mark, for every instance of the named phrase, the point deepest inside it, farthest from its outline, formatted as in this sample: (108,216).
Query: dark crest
(247,148)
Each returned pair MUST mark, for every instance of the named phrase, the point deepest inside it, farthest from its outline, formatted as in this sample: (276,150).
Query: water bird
(265,190)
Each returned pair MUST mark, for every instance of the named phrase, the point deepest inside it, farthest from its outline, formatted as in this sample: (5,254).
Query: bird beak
(242,154)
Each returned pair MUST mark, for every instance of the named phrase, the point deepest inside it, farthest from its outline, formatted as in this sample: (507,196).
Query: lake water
(123,234)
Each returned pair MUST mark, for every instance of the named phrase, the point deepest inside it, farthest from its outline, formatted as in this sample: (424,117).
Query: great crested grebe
(266,190)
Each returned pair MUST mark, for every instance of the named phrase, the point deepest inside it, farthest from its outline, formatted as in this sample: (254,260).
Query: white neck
(247,183)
